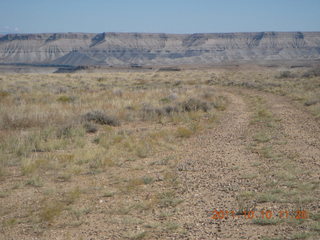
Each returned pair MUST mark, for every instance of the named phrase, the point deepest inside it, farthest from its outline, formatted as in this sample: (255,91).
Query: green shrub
(101,118)
(193,104)
(66,99)
(90,128)
(314,72)
(69,131)
(286,74)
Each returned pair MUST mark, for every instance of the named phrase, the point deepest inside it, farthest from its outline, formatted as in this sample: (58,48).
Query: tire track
(214,163)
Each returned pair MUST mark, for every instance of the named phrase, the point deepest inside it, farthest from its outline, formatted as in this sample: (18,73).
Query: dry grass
(114,133)
(71,142)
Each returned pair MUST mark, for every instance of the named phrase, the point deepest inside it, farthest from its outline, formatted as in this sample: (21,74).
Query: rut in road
(211,169)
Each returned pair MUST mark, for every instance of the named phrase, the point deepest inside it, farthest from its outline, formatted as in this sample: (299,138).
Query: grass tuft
(183,132)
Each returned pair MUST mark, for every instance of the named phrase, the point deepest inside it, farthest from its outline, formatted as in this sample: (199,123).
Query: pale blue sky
(168,16)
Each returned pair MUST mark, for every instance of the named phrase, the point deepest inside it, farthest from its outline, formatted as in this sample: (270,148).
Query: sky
(159,16)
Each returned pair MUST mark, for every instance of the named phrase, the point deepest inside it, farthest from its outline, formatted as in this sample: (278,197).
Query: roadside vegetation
(284,184)
(300,85)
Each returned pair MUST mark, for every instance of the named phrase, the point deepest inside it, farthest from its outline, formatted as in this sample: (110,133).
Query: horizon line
(125,32)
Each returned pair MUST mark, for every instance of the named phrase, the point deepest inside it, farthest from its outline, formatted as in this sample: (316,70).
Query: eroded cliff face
(157,49)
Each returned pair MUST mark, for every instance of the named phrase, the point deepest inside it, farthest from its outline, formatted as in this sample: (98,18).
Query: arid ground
(191,154)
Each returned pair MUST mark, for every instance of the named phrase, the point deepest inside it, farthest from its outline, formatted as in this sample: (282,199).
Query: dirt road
(219,166)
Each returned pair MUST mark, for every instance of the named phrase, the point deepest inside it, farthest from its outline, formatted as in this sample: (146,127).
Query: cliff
(157,49)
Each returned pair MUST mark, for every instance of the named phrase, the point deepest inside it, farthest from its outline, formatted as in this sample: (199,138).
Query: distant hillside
(119,49)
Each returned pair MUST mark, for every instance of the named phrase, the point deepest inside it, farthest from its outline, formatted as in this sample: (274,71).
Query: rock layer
(157,49)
